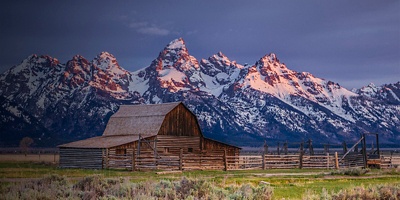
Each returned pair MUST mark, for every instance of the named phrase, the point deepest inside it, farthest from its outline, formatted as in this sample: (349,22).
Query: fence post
(279,153)
(106,159)
(377,145)
(133,159)
(285,148)
(310,147)
(301,160)
(301,147)
(336,161)
(102,159)
(390,161)
(264,164)
(364,151)
(327,160)
(181,159)
(344,147)
(225,161)
(265,147)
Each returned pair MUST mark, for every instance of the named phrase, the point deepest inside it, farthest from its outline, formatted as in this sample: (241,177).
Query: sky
(353,43)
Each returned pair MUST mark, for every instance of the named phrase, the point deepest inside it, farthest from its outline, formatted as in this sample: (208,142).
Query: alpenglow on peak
(177,44)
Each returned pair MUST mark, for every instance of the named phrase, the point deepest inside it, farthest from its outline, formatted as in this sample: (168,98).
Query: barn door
(147,153)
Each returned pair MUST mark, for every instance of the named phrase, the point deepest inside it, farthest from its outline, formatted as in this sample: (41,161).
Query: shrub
(98,187)
(392,171)
(389,192)
(49,187)
(263,192)
(351,172)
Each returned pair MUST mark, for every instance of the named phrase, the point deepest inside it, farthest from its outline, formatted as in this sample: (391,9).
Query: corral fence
(221,161)
(217,161)
(287,155)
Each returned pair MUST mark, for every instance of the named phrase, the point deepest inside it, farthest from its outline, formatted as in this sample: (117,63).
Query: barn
(158,136)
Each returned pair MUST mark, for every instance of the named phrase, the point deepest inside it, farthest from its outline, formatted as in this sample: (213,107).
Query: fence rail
(218,161)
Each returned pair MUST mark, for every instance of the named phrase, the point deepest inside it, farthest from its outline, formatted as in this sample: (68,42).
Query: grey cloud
(153,31)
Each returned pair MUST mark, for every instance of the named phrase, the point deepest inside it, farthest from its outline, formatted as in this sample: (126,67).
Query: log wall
(171,145)
(172,153)
(213,146)
(81,158)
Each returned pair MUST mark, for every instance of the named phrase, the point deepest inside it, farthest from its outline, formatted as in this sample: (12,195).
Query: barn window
(190,150)
(166,150)
(121,152)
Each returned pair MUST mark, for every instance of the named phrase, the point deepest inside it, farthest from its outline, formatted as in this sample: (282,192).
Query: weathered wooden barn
(159,136)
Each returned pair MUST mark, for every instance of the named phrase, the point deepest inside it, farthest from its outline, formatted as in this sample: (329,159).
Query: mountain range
(54,103)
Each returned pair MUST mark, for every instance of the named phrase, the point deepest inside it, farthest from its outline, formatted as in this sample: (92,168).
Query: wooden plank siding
(168,151)
(180,122)
(212,146)
(171,145)
(81,158)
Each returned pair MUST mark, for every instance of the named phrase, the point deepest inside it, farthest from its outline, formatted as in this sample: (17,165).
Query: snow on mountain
(234,103)
(217,72)
(388,92)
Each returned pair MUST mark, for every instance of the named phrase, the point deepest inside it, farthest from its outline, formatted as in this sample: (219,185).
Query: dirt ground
(51,158)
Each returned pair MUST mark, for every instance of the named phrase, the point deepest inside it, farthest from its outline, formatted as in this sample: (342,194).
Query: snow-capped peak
(105,56)
(271,58)
(269,66)
(78,57)
(220,58)
(176,55)
(40,59)
(107,62)
(177,44)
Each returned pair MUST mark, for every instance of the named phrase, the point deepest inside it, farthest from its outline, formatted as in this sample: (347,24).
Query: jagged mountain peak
(77,63)
(177,44)
(105,55)
(218,60)
(34,58)
(32,65)
(270,67)
(388,92)
(271,58)
(175,50)
(220,57)
(175,55)
(107,62)
(78,57)
(219,63)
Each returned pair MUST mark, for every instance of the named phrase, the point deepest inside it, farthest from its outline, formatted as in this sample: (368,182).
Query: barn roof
(102,142)
(138,119)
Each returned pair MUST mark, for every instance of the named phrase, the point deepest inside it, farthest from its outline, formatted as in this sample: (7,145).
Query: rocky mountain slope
(239,104)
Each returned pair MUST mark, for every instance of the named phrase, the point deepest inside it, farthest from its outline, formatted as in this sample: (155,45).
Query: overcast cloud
(349,42)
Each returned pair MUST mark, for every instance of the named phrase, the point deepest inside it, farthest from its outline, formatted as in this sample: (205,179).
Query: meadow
(43,180)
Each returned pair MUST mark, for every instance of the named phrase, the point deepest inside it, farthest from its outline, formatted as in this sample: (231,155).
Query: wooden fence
(390,161)
(218,161)
(281,162)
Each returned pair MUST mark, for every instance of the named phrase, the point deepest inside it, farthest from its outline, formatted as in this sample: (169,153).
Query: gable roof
(138,119)
(102,142)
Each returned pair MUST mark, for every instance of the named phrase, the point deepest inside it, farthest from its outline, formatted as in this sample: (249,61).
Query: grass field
(288,184)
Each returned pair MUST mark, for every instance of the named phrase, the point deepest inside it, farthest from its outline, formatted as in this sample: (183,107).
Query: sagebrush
(98,187)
